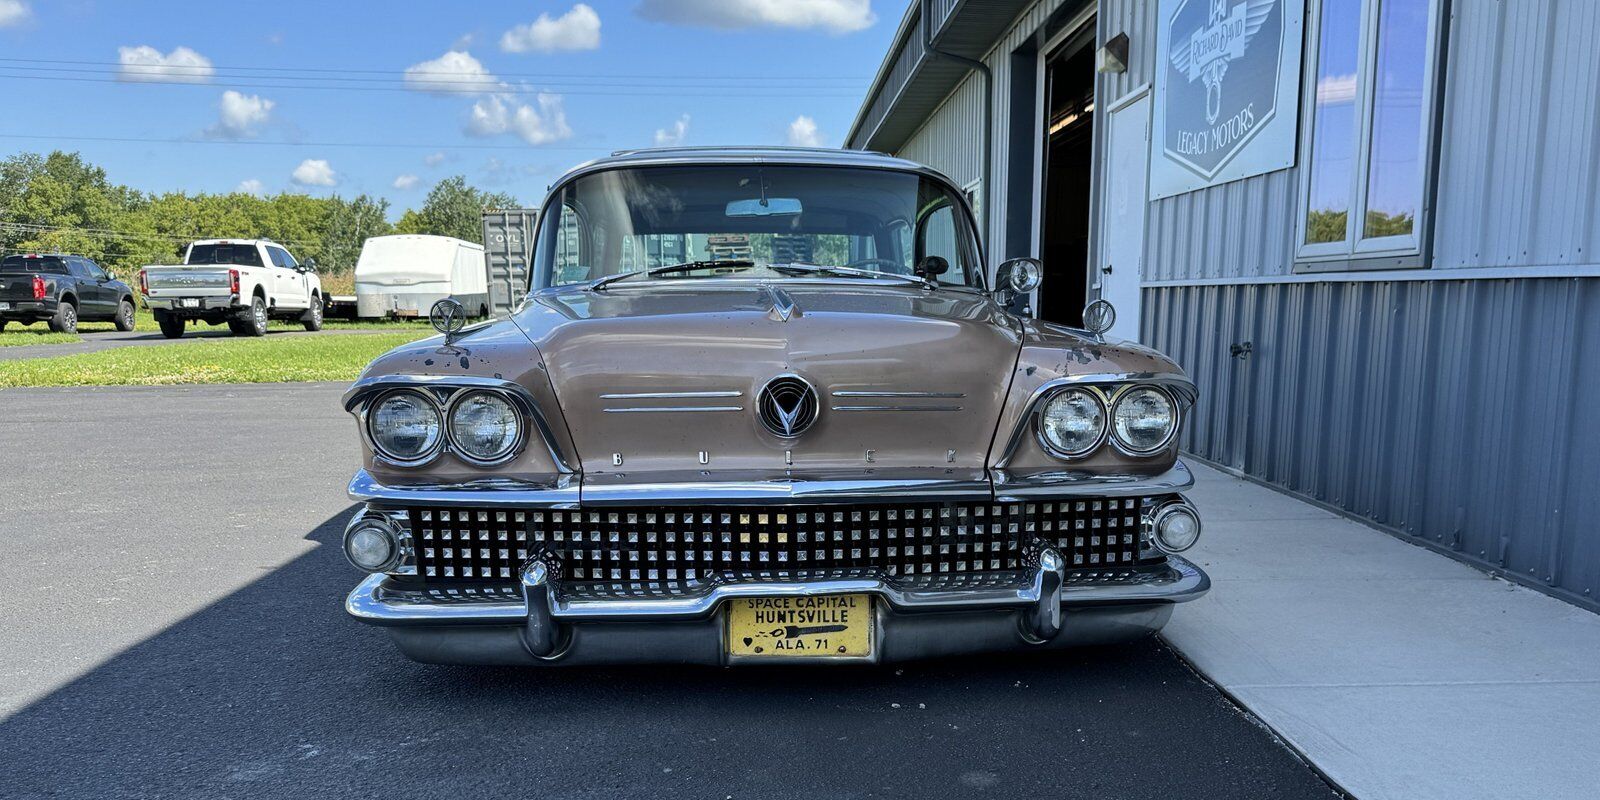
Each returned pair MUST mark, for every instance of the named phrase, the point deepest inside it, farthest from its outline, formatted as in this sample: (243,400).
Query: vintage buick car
(759,405)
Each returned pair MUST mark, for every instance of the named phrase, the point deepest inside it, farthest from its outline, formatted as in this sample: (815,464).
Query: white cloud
(314,172)
(498,114)
(455,72)
(834,16)
(667,137)
(13,12)
(406,183)
(803,132)
(434,159)
(145,63)
(1336,90)
(578,29)
(250,186)
(239,115)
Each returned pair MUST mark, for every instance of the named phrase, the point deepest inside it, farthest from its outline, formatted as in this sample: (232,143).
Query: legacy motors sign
(1227,91)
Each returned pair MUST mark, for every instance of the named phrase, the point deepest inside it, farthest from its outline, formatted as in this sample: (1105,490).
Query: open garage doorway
(1066,189)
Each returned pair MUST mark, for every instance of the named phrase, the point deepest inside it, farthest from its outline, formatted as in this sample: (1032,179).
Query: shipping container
(508,249)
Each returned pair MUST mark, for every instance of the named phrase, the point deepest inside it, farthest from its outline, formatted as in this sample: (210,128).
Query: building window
(1365,146)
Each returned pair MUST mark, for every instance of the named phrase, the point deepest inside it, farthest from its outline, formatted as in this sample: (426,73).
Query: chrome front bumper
(539,625)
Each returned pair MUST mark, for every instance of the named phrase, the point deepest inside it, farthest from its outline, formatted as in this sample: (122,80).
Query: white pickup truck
(243,282)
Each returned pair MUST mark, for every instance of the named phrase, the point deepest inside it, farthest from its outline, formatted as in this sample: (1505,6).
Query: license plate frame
(4,306)
(833,627)
(188,302)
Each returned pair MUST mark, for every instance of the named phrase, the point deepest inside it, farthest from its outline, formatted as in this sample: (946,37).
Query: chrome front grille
(688,544)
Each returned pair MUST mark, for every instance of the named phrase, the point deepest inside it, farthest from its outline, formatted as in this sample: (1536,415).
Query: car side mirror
(1015,279)
(111,276)
(931,267)
(310,265)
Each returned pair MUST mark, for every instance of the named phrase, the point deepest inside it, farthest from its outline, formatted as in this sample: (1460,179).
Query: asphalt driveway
(173,628)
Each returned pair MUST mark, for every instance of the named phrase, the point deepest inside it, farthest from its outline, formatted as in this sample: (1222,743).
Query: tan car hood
(606,351)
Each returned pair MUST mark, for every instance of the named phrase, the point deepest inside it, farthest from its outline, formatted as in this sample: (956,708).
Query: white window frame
(1353,247)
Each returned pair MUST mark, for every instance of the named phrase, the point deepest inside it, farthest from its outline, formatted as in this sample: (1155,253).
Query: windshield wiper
(821,269)
(672,269)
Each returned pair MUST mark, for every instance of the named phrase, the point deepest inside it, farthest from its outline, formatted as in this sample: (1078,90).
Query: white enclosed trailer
(405,274)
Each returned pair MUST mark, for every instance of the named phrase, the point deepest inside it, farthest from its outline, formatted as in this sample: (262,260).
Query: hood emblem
(787,406)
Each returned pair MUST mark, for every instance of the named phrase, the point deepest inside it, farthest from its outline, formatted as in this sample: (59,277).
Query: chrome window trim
(1111,421)
(1178,385)
(357,400)
(1105,428)
(378,452)
(517,445)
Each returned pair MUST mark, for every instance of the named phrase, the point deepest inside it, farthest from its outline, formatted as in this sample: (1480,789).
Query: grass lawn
(231,360)
(38,333)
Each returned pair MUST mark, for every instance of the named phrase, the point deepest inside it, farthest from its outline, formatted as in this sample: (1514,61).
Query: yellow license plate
(826,626)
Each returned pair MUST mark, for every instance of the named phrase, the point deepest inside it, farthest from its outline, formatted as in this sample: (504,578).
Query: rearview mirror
(765,207)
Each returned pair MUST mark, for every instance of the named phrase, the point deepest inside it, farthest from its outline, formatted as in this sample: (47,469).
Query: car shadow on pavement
(272,690)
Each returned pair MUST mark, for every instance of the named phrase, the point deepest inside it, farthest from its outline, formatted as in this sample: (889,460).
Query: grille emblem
(787,406)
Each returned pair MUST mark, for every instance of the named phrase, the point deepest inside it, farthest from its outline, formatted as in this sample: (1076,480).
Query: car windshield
(753,220)
(244,255)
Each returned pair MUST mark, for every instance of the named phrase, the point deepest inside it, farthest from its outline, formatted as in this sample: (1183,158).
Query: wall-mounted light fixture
(1113,55)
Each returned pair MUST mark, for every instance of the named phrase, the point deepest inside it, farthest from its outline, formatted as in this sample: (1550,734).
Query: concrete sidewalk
(1399,672)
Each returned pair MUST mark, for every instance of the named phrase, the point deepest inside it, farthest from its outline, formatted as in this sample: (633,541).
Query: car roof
(799,156)
(235,241)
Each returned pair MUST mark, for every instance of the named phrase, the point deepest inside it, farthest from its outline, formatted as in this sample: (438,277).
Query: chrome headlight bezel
(1044,409)
(1121,444)
(369,415)
(511,451)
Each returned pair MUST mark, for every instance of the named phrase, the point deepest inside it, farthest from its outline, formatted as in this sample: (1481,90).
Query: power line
(199,71)
(423,87)
(262,143)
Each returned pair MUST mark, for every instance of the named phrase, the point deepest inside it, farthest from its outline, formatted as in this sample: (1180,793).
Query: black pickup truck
(61,290)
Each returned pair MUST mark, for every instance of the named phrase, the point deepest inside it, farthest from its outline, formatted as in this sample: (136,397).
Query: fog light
(1177,527)
(372,546)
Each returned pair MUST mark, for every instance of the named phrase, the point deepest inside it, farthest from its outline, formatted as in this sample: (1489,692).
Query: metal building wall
(1460,414)
(946,141)
(1519,177)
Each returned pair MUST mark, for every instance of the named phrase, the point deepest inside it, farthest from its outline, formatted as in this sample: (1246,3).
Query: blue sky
(509,94)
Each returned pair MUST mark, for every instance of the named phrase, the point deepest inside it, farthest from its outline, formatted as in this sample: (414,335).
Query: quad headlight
(485,426)
(1073,423)
(405,426)
(1143,420)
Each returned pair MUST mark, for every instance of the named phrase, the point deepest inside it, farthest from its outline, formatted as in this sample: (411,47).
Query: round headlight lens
(405,426)
(484,426)
(1073,422)
(1144,420)
(370,547)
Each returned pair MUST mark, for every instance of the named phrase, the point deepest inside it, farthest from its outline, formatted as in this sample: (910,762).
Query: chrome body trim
(667,395)
(567,491)
(1178,385)
(896,408)
(939,395)
(505,492)
(357,396)
(1075,483)
(671,409)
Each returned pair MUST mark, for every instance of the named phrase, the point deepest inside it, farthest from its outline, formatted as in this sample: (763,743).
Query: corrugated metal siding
(1243,229)
(1519,165)
(1137,18)
(508,247)
(947,141)
(1459,414)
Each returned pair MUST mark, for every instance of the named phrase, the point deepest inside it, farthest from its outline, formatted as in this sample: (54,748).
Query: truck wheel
(312,319)
(66,318)
(125,316)
(255,323)
(171,326)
